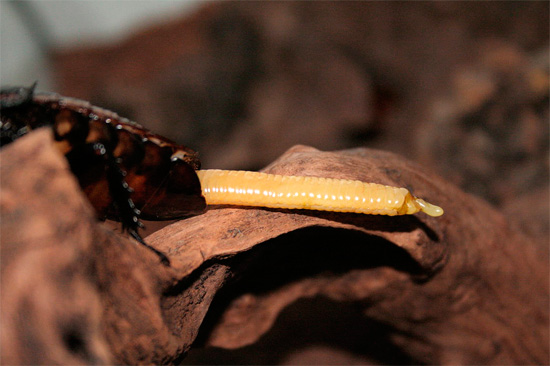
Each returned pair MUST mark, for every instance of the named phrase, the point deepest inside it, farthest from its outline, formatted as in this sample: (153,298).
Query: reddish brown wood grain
(463,288)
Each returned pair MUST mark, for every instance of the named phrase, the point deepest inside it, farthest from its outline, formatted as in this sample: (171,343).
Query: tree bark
(465,288)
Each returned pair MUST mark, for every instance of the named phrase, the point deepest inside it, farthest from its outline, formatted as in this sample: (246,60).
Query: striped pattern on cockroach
(127,172)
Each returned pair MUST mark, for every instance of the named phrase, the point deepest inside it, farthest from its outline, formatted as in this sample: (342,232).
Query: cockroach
(128,172)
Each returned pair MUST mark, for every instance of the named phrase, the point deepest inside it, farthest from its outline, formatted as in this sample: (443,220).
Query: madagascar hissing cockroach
(126,171)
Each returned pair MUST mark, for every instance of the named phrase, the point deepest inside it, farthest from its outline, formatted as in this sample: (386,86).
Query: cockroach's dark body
(126,171)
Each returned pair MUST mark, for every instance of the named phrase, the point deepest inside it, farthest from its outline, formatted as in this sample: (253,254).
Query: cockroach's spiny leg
(227,187)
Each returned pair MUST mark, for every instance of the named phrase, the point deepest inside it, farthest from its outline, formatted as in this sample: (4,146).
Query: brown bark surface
(464,288)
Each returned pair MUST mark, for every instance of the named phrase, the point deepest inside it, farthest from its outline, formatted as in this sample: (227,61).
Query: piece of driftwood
(465,288)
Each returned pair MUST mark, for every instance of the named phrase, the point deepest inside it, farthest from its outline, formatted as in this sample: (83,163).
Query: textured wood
(462,288)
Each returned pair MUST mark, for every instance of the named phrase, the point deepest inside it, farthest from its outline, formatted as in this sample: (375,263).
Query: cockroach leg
(120,191)
(163,258)
(117,192)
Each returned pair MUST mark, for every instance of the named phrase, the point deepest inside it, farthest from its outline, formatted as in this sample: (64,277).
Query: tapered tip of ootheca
(429,209)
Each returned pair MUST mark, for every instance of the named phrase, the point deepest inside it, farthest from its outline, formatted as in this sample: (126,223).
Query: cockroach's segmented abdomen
(222,187)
